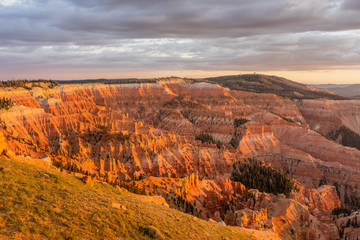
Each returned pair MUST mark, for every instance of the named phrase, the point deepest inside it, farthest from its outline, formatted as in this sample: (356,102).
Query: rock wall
(166,131)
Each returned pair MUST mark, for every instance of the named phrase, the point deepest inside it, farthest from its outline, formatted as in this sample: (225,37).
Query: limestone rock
(3,145)
(88,180)
(118,206)
(222,223)
(149,131)
(255,219)
(157,200)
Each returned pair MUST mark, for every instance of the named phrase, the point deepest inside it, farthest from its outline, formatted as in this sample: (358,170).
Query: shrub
(3,124)
(239,121)
(341,210)
(153,232)
(6,103)
(103,127)
(122,137)
(207,138)
(234,142)
(322,181)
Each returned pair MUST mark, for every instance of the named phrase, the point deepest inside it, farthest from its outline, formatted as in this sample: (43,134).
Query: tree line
(254,175)
(27,84)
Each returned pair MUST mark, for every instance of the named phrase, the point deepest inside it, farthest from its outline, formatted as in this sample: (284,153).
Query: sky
(309,41)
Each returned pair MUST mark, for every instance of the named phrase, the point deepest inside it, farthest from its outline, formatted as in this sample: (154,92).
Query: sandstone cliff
(161,133)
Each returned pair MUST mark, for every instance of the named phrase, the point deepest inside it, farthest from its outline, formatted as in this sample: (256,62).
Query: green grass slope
(38,203)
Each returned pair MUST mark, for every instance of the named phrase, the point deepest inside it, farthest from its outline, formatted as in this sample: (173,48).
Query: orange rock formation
(152,133)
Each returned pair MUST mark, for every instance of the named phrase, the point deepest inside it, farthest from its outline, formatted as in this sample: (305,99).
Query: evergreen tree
(254,175)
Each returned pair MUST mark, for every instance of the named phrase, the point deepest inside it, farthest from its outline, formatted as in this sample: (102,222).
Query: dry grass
(37,203)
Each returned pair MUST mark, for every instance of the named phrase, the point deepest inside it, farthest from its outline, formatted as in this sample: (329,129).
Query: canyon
(180,138)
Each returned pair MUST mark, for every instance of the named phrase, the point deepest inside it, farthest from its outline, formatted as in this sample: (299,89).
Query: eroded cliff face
(326,115)
(164,132)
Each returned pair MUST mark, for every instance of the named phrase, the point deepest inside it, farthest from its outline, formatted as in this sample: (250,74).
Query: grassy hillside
(271,84)
(38,203)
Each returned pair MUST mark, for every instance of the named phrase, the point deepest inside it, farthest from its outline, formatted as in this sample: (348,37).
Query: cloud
(351,5)
(86,22)
(303,51)
(166,35)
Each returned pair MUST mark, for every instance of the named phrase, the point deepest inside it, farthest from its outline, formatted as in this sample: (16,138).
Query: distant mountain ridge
(346,90)
(272,84)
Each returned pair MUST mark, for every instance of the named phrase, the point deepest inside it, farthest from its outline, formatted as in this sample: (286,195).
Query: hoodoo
(181,138)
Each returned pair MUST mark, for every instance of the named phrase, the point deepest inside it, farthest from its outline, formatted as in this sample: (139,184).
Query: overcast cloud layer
(157,35)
